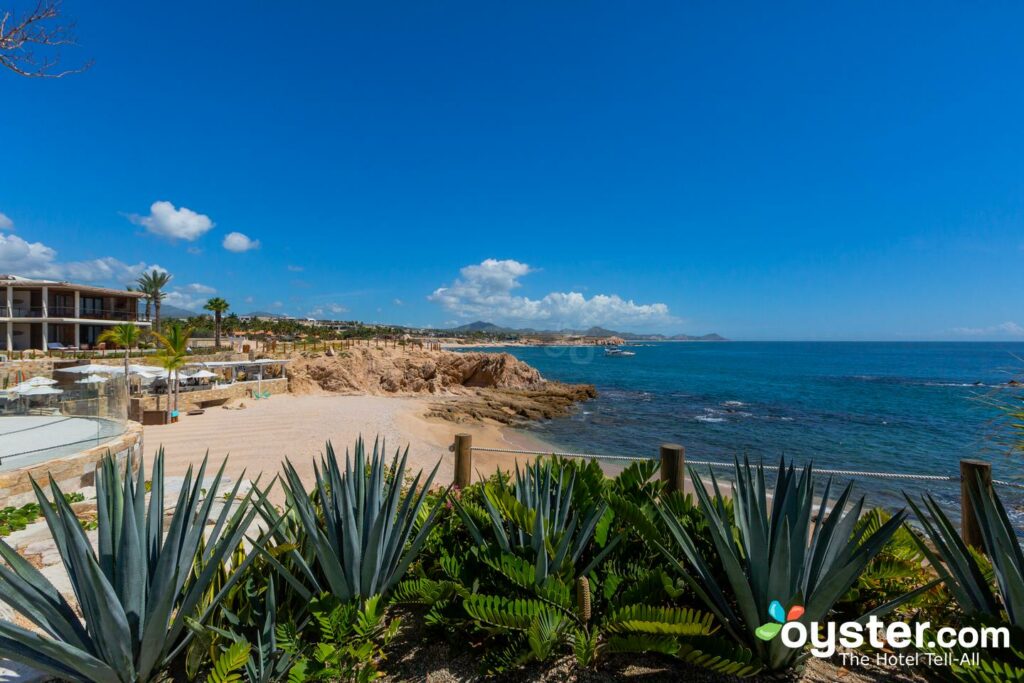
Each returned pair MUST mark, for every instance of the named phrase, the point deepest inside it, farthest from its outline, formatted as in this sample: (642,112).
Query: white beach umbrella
(92,379)
(40,391)
(145,369)
(38,382)
(203,374)
(93,369)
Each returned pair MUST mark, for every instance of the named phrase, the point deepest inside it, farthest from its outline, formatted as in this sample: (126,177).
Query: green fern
(673,621)
(227,666)
(586,646)
(516,614)
(545,634)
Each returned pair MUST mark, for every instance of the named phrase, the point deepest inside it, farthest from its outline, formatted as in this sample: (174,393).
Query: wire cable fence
(905,476)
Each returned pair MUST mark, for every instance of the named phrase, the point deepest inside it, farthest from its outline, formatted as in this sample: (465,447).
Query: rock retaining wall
(72,472)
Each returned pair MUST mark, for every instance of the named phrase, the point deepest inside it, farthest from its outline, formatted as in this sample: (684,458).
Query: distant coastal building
(48,315)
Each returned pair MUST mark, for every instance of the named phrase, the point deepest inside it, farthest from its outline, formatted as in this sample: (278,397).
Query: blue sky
(792,171)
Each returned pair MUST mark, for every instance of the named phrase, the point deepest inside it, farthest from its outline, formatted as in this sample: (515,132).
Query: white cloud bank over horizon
(485,292)
(238,242)
(167,221)
(5,222)
(35,259)
(1006,329)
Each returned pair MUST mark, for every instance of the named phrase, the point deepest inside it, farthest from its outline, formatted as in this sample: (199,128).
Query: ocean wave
(733,404)
(709,418)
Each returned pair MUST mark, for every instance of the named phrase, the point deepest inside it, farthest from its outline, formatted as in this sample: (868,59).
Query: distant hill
(263,314)
(167,311)
(481,326)
(490,328)
(704,337)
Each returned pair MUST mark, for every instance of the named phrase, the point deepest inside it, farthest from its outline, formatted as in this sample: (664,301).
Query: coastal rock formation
(475,386)
(513,406)
(400,371)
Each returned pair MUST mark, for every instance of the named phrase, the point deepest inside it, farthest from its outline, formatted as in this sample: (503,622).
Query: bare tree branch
(40,28)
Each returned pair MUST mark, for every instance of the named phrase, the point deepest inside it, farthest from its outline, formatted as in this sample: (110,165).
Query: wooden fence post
(463,460)
(673,466)
(970,473)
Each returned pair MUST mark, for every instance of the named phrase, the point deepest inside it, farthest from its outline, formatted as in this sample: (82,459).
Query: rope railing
(973,474)
(906,476)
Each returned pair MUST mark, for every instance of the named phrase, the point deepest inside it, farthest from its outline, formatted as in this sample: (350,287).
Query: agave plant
(359,533)
(137,590)
(783,552)
(539,514)
(969,576)
(539,580)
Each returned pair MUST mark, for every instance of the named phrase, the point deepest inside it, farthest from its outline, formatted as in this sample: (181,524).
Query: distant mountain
(168,311)
(704,337)
(490,328)
(481,326)
(263,314)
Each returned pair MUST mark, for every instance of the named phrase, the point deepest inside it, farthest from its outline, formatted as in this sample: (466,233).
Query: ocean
(890,407)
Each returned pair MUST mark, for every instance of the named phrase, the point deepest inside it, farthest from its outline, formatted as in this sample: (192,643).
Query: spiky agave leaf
(358,530)
(784,551)
(137,589)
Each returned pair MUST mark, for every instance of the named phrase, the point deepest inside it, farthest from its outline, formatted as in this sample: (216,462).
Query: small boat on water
(618,353)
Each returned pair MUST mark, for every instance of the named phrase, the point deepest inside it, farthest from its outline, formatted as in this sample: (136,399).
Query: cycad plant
(358,530)
(780,550)
(539,580)
(136,591)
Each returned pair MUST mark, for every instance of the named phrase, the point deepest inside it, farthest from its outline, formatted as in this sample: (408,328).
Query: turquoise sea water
(904,407)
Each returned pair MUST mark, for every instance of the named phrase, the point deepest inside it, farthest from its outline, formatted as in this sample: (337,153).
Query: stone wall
(189,400)
(28,368)
(71,472)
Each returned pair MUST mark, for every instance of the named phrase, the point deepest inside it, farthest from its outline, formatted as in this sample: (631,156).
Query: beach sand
(259,438)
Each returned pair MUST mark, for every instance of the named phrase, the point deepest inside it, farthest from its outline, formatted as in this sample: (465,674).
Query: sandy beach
(259,438)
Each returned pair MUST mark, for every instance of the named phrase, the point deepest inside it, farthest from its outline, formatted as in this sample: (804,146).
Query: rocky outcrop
(493,386)
(513,406)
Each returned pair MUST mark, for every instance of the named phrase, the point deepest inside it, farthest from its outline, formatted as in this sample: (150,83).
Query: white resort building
(50,315)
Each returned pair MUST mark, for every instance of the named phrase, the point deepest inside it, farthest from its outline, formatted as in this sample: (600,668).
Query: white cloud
(35,259)
(399,302)
(237,242)
(197,288)
(182,299)
(485,292)
(5,222)
(1007,329)
(336,309)
(248,300)
(165,220)
(296,269)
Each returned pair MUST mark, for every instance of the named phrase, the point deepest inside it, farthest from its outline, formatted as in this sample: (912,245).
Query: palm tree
(218,306)
(125,335)
(174,355)
(152,284)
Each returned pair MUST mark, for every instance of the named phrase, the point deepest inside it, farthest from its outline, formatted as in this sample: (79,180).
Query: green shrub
(344,642)
(544,575)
